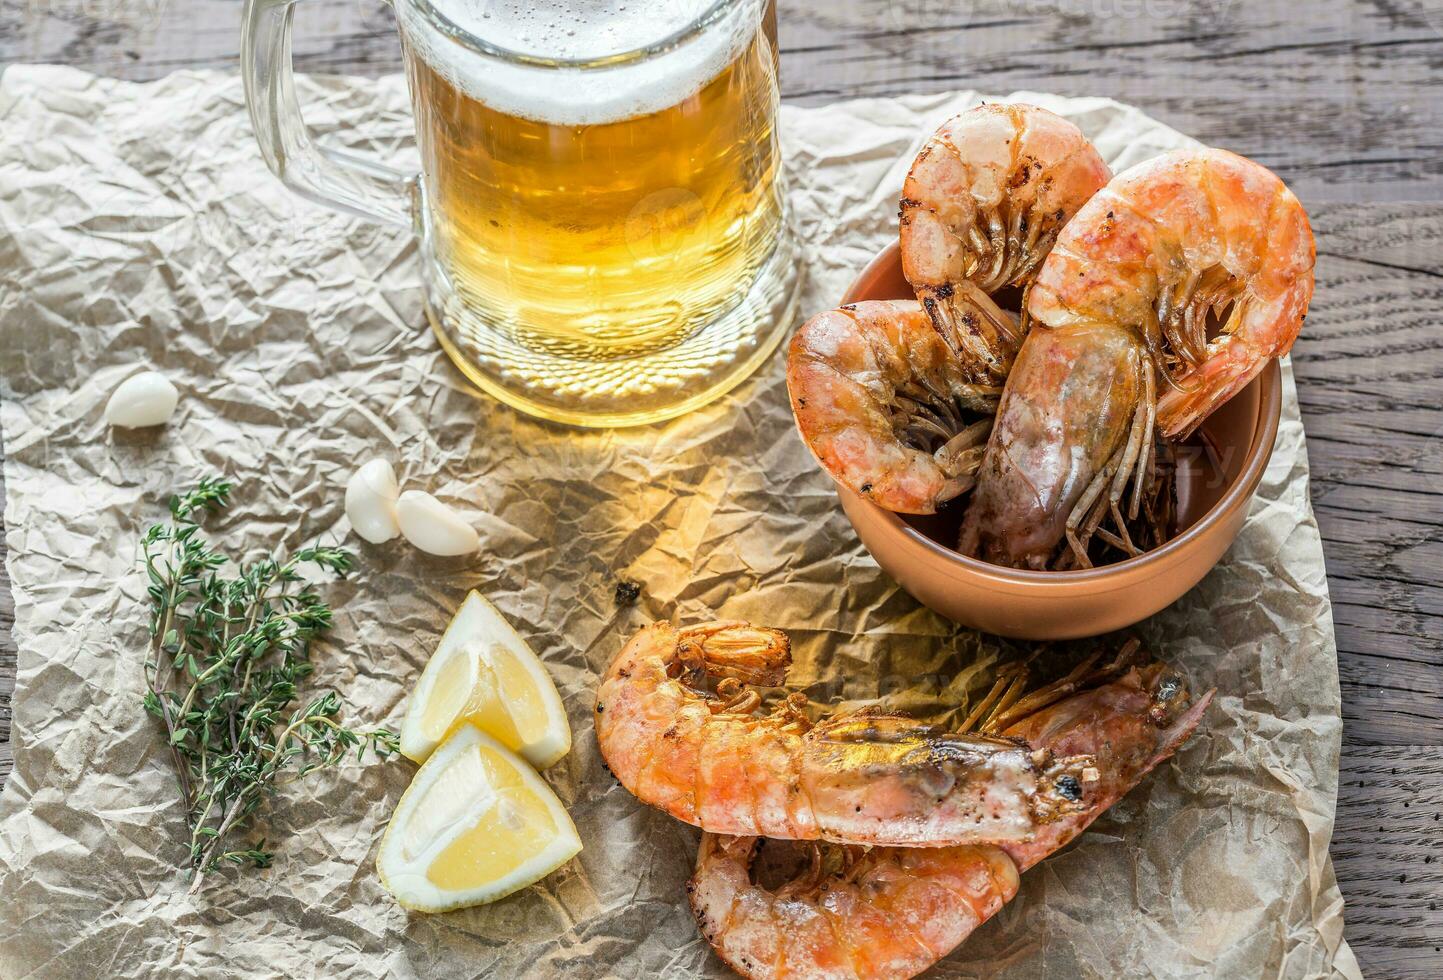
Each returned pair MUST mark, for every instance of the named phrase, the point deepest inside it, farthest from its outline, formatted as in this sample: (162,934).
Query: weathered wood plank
(1386,854)
(1340,100)
(1370,381)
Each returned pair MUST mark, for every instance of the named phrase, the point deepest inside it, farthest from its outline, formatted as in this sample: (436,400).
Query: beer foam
(578,29)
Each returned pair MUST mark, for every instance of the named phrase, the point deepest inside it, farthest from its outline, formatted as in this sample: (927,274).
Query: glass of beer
(600,208)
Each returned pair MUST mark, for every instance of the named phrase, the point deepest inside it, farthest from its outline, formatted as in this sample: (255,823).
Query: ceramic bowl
(1218,473)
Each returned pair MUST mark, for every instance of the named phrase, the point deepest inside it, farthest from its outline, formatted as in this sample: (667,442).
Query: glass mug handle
(344,181)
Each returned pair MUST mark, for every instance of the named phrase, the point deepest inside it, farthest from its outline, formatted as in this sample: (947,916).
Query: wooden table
(1343,98)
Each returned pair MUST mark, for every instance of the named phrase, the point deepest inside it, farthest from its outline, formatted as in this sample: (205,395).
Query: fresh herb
(222,676)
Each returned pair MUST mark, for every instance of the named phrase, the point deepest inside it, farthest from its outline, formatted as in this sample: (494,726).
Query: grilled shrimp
(710,760)
(894,911)
(886,407)
(879,913)
(1122,308)
(879,401)
(981,207)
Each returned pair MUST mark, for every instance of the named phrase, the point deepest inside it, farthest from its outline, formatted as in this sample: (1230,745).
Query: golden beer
(607,239)
(600,221)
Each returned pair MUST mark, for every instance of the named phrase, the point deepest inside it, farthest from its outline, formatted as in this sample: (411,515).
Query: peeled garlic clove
(371,501)
(433,527)
(145,399)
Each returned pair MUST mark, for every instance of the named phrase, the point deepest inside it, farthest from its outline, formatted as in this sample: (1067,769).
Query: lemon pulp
(476,824)
(517,823)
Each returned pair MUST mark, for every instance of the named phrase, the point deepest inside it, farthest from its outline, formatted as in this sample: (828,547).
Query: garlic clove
(433,527)
(142,400)
(371,501)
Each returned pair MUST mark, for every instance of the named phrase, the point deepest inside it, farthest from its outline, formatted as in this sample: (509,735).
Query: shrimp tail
(1199,392)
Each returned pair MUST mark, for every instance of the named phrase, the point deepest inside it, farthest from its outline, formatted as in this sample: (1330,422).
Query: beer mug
(600,211)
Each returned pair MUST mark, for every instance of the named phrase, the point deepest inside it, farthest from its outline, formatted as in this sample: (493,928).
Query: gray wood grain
(1338,97)
(1343,99)
(1369,369)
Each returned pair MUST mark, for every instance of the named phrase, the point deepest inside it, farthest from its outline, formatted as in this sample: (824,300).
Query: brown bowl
(1218,473)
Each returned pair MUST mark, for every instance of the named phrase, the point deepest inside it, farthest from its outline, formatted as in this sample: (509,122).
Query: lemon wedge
(475,825)
(484,674)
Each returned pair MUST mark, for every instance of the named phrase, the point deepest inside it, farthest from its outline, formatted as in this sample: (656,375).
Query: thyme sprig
(227,656)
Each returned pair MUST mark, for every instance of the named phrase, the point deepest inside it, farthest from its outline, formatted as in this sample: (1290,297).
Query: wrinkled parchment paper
(140,228)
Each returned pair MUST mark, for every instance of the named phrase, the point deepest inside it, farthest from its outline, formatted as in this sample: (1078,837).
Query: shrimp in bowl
(981,208)
(1166,294)
(896,398)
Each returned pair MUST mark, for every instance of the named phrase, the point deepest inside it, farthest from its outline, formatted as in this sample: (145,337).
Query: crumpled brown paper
(140,228)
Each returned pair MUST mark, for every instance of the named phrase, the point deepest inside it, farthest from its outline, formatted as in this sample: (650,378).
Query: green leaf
(238,639)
